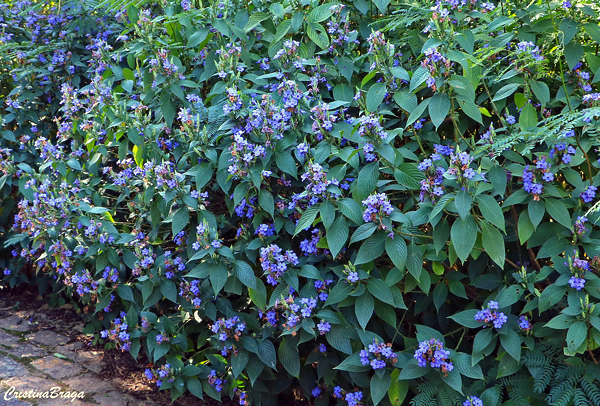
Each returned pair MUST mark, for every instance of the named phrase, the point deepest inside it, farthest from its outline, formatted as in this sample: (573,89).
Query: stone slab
(15,323)
(9,368)
(109,399)
(11,401)
(56,368)
(8,339)
(91,360)
(49,338)
(26,350)
(89,384)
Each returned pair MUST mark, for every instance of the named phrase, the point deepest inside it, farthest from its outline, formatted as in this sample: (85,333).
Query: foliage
(364,203)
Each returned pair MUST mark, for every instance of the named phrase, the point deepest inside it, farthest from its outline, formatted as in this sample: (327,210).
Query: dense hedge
(362,203)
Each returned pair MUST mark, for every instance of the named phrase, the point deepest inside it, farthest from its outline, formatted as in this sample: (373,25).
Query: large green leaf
(463,235)
(337,235)
(439,106)
(375,96)
(493,243)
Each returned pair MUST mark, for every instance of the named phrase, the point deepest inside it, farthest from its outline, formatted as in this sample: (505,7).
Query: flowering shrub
(319,199)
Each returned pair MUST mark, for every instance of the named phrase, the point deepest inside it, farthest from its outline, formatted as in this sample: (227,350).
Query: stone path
(48,370)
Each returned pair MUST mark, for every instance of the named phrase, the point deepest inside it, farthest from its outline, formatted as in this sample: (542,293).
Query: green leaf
(414,263)
(525,227)
(511,342)
(491,211)
(169,290)
(483,338)
(470,108)
(351,210)
(318,35)
(528,117)
(508,366)
(536,210)
(371,249)
(463,364)
(266,353)
(352,364)
(560,322)
(510,295)
(380,290)
(265,200)
(375,96)
(307,218)
(409,176)
(493,243)
(463,203)
(254,20)
(286,163)
(367,179)
(593,30)
(576,335)
(463,235)
(180,220)
(327,213)
(550,296)
(338,293)
(339,338)
(418,77)
(363,232)
(239,360)
(396,250)
(320,13)
(218,277)
(125,293)
(411,370)
(289,356)
(553,246)
(168,111)
(541,91)
(453,380)
(439,106)
(258,295)
(382,4)
(195,387)
(398,389)
(245,274)
(417,112)
(569,29)
(466,318)
(505,91)
(282,30)
(379,386)
(337,235)
(364,306)
(558,211)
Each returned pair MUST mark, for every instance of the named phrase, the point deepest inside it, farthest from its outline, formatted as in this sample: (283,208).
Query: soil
(118,368)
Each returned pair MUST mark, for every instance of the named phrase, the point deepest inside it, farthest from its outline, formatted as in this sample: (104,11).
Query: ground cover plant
(359,202)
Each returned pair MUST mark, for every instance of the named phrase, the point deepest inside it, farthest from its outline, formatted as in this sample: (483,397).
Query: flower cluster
(437,64)
(216,381)
(318,183)
(321,287)
(338,28)
(378,206)
(578,267)
(528,50)
(228,61)
(589,194)
(323,120)
(378,355)
(563,152)
(118,333)
(380,49)
(323,327)
(533,177)
(244,154)
(160,374)
(491,315)
(228,328)
(370,126)
(309,247)
(288,55)
(274,263)
(580,229)
(295,312)
(524,323)
(431,186)
(433,352)
(473,401)
(190,291)
(353,398)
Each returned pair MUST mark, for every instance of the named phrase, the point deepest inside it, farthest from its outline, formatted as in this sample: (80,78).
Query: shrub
(271,196)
